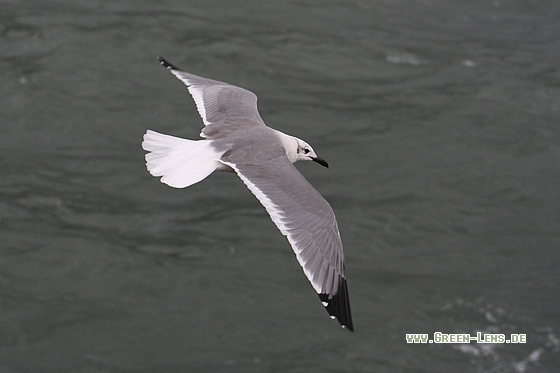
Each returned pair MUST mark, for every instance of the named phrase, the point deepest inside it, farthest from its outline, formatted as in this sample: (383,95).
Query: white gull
(237,140)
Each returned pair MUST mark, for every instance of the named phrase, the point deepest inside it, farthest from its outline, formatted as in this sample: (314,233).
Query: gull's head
(304,152)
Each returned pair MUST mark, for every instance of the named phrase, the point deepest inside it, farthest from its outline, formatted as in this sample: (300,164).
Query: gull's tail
(180,162)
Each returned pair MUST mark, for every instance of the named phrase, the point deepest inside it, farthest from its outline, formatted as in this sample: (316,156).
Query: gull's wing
(223,107)
(305,217)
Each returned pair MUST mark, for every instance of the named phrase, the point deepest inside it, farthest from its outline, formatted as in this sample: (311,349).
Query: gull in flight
(237,140)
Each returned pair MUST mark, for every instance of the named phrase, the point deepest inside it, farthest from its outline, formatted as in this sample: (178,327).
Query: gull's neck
(290,144)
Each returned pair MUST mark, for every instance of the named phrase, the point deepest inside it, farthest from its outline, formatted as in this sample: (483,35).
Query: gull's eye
(305,150)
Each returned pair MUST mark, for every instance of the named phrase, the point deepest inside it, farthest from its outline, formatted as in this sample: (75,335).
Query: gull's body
(236,139)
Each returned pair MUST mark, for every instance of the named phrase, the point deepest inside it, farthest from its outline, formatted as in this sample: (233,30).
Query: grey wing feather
(223,107)
(308,221)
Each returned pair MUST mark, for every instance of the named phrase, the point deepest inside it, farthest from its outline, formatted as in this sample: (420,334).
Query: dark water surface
(441,123)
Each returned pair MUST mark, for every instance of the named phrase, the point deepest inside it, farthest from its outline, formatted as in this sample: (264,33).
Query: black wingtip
(166,64)
(339,305)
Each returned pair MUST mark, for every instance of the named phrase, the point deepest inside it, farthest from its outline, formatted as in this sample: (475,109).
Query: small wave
(404,58)
(479,316)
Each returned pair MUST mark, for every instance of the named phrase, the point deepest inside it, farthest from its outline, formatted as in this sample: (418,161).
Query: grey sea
(441,124)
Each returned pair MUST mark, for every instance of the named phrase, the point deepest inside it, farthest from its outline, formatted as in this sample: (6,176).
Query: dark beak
(321,161)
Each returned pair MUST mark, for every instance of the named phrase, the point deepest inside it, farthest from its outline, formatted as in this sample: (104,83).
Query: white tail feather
(180,162)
